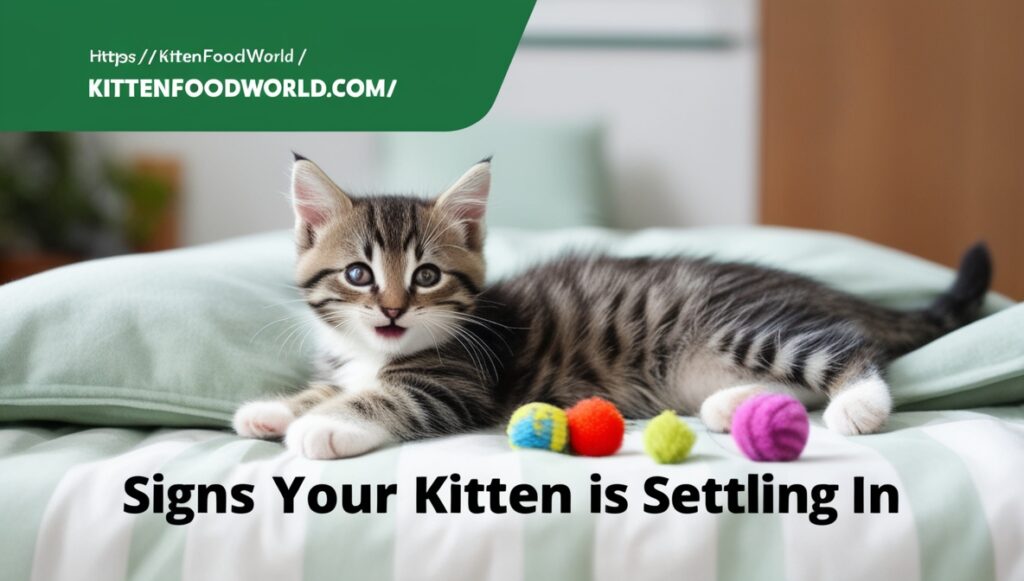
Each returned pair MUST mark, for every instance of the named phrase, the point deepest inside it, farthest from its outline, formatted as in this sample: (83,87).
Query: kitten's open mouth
(391,331)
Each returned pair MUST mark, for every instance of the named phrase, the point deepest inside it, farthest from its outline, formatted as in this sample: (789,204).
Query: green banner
(380,65)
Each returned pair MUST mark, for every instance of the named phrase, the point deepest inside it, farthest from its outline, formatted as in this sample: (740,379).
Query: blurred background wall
(672,84)
(899,122)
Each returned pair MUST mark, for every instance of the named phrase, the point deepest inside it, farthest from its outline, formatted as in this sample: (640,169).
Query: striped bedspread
(959,478)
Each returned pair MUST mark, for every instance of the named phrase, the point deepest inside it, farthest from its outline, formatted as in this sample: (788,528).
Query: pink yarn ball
(771,427)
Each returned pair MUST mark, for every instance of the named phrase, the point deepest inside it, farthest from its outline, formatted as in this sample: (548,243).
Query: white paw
(321,437)
(861,408)
(262,419)
(717,410)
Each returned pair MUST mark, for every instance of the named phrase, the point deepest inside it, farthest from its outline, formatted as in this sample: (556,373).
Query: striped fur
(649,334)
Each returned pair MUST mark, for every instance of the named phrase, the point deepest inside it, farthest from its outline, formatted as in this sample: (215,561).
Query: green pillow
(181,338)
(546,175)
(175,338)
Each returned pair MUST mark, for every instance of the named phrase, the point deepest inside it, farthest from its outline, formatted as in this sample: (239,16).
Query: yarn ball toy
(539,425)
(771,427)
(668,439)
(596,427)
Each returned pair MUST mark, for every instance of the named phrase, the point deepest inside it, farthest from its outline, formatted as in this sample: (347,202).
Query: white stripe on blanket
(264,544)
(85,523)
(992,452)
(457,546)
(849,548)
(662,546)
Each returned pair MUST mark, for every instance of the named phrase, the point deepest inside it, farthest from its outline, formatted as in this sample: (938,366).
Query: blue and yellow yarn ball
(539,425)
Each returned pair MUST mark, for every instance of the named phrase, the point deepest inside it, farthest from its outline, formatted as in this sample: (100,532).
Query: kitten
(414,345)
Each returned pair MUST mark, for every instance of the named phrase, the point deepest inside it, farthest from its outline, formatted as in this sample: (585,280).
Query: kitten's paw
(861,408)
(262,419)
(321,437)
(717,410)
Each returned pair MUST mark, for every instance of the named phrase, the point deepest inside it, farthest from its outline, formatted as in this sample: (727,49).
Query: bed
(118,370)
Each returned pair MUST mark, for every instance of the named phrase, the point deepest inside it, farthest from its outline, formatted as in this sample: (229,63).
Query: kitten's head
(391,274)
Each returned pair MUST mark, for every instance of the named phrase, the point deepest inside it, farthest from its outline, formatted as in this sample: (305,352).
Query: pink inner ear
(474,210)
(308,202)
(471,202)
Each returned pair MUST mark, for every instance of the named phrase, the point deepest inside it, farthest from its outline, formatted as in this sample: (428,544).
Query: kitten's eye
(358,274)
(426,275)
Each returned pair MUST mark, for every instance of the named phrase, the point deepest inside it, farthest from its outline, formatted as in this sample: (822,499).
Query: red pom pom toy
(596,427)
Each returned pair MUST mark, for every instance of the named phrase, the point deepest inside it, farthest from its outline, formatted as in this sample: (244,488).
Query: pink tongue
(390,331)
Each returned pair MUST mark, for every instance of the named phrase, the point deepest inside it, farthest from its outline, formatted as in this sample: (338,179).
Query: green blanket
(181,338)
(960,514)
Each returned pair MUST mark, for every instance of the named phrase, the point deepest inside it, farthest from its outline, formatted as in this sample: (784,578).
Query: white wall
(235,183)
(681,123)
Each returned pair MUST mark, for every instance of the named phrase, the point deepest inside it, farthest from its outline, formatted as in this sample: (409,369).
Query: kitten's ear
(467,198)
(315,197)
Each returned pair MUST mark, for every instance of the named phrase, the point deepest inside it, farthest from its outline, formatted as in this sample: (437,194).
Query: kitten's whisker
(288,285)
(272,323)
(282,303)
(295,328)
(478,358)
(489,302)
(433,338)
(481,347)
(452,246)
(481,323)
(435,236)
(471,353)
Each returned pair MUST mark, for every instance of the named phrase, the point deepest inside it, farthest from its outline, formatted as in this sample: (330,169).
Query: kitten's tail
(956,307)
(961,304)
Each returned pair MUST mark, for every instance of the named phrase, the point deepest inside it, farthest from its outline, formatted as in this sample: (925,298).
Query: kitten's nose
(392,313)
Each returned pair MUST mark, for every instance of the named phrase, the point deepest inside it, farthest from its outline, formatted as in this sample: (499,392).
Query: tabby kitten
(414,345)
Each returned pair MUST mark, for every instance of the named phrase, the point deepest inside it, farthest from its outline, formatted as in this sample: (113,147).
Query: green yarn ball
(668,439)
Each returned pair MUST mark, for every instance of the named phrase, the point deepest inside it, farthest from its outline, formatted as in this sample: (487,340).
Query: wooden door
(898,121)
